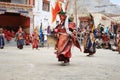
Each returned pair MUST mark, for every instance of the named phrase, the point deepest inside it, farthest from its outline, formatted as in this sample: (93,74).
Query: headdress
(71,18)
(36,30)
(61,12)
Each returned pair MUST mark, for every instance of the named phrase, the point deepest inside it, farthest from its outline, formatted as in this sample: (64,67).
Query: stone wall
(87,6)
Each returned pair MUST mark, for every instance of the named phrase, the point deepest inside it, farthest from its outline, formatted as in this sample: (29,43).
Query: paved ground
(28,64)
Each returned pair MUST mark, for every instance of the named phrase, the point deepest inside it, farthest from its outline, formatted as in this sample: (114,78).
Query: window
(5,0)
(46,5)
(30,2)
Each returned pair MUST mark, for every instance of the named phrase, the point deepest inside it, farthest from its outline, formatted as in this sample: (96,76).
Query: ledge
(15,5)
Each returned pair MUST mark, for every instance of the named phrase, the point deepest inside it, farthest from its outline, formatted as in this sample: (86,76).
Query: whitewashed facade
(98,18)
(41,16)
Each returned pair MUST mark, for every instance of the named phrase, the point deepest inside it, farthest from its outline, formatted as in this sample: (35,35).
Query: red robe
(64,44)
(35,41)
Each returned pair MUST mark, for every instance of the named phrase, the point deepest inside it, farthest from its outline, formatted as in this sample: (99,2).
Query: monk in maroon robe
(35,39)
(65,40)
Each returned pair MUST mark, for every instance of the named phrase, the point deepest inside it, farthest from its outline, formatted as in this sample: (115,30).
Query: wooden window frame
(5,1)
(46,5)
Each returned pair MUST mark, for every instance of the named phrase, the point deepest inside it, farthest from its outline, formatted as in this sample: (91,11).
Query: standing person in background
(48,30)
(85,36)
(19,38)
(2,42)
(46,33)
(35,39)
(27,39)
(12,34)
(107,30)
(42,40)
(91,46)
(8,36)
(41,36)
(118,39)
(115,29)
(80,36)
(47,36)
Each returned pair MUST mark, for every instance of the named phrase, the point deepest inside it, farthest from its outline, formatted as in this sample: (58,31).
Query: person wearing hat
(64,40)
(2,42)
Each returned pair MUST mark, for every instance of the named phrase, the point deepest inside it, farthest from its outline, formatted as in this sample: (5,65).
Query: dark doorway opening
(12,21)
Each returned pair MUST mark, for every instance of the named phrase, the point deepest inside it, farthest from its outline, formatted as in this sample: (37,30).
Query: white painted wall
(85,6)
(43,16)
(98,19)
